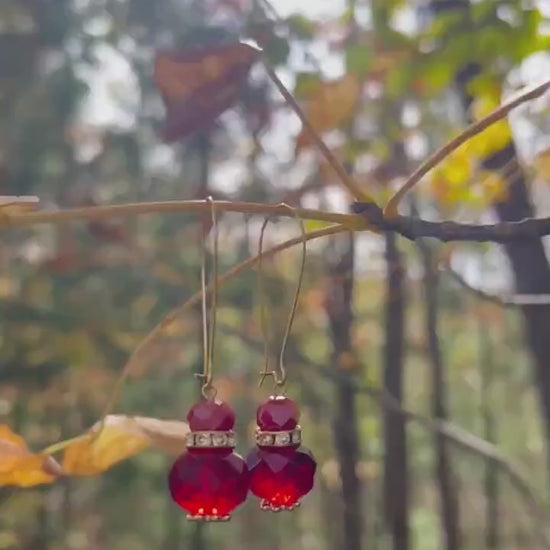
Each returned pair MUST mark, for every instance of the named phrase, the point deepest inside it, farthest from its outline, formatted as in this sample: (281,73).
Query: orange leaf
(20,467)
(120,438)
(330,106)
(199,84)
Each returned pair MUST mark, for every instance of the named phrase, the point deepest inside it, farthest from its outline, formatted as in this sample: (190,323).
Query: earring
(281,471)
(209,480)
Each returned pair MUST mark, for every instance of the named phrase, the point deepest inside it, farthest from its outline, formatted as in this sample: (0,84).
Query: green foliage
(301,27)
(358,60)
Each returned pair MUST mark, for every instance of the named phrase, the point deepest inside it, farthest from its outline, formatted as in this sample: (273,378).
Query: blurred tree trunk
(396,484)
(444,475)
(528,259)
(340,313)
(489,434)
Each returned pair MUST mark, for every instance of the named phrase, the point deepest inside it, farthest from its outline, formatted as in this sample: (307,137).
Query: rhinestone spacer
(279,439)
(213,440)
(208,518)
(266,506)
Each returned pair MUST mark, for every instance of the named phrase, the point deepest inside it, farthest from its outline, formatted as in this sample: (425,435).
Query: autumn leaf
(330,105)
(198,85)
(119,438)
(459,178)
(497,136)
(542,165)
(21,467)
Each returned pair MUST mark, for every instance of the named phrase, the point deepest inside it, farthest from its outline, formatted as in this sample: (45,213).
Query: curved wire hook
(279,377)
(208,390)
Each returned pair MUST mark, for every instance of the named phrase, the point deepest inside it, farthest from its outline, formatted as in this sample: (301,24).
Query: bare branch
(414,228)
(391,208)
(512,300)
(367,216)
(130,209)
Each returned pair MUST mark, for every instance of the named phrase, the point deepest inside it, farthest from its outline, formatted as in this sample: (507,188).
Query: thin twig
(173,315)
(308,56)
(113,210)
(347,181)
(512,300)
(391,208)
(368,217)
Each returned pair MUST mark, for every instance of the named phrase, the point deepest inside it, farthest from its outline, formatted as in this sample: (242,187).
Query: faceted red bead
(281,477)
(211,415)
(209,482)
(278,413)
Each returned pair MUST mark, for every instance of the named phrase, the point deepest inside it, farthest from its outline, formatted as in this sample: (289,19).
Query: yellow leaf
(449,180)
(330,106)
(492,139)
(21,467)
(498,135)
(119,438)
(542,165)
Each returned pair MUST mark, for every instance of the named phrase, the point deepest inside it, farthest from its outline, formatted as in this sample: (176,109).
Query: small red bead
(281,477)
(211,415)
(278,413)
(209,482)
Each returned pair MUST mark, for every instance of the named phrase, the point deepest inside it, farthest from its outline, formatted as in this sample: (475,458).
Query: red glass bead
(209,482)
(278,413)
(281,477)
(211,415)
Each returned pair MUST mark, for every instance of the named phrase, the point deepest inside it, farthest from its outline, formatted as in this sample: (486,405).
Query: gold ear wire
(280,376)
(208,390)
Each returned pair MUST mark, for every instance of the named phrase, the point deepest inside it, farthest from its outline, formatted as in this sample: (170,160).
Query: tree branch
(516,300)
(414,228)
(367,216)
(391,208)
(16,218)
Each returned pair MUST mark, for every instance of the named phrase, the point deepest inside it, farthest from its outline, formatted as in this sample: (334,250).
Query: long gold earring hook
(208,390)
(280,376)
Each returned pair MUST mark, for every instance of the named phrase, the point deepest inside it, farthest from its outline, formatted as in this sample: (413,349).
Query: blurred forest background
(383,324)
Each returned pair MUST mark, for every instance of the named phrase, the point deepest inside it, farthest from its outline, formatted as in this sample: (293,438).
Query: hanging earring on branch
(281,471)
(209,480)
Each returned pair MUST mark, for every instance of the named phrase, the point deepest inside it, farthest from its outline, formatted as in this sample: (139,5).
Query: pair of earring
(210,480)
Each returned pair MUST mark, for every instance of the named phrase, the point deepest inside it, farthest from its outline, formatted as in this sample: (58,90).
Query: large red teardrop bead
(209,483)
(278,413)
(211,415)
(281,477)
